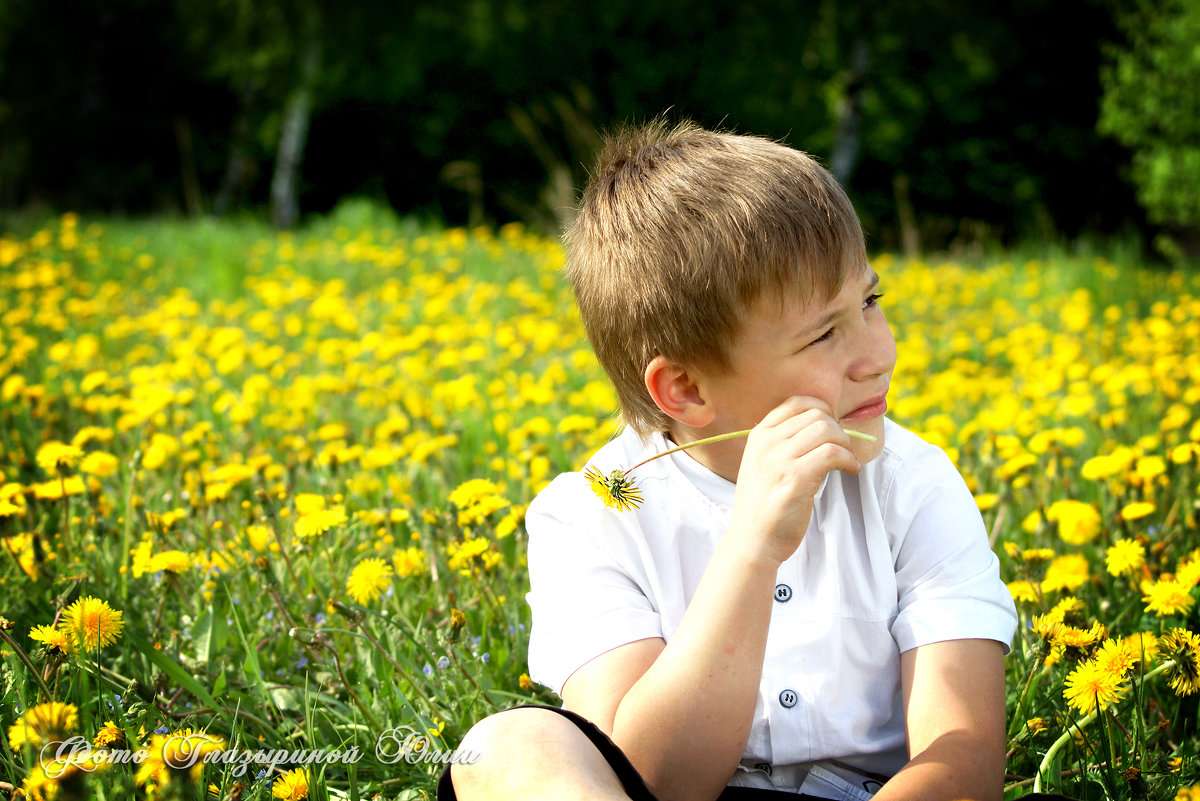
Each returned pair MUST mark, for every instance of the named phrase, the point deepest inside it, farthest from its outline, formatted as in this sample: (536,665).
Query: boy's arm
(954,715)
(682,712)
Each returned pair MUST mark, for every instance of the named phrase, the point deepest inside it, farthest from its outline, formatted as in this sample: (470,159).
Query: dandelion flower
(1023,591)
(1066,573)
(1144,645)
(368,580)
(1182,647)
(57,457)
(291,786)
(1137,510)
(616,490)
(55,640)
(45,723)
(92,623)
(1090,684)
(1117,657)
(1078,522)
(173,561)
(1168,597)
(1125,556)
(110,736)
(177,753)
(319,521)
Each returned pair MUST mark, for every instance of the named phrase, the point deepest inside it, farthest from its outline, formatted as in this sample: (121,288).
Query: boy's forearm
(685,723)
(949,769)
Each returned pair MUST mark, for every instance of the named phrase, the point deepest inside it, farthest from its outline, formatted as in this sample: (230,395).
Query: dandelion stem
(1079,725)
(733,435)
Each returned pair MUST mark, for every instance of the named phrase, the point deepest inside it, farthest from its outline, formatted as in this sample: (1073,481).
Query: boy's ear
(677,392)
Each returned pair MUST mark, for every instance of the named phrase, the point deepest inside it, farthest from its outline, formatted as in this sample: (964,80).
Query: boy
(796,611)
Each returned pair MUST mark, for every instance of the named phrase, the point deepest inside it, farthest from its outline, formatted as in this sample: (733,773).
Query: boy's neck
(723,458)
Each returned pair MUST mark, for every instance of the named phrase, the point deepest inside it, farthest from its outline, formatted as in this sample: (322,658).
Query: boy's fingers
(793,406)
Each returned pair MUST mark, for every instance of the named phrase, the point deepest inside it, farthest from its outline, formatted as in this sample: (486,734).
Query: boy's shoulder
(911,464)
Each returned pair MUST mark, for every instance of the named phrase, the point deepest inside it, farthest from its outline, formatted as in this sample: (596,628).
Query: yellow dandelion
(92,623)
(172,561)
(1137,510)
(1144,645)
(57,457)
(1036,725)
(53,490)
(1066,573)
(410,561)
(50,722)
(1117,657)
(291,786)
(1183,648)
(616,490)
(307,502)
(1078,522)
(1089,684)
(1150,467)
(368,580)
(110,736)
(1168,597)
(1187,572)
(986,500)
(55,641)
(1023,591)
(1125,556)
(8,508)
(176,754)
(319,521)
(99,463)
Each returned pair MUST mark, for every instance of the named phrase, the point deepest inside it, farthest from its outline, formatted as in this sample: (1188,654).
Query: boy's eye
(872,300)
(823,337)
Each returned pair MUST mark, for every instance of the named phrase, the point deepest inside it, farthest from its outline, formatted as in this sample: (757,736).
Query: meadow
(262,494)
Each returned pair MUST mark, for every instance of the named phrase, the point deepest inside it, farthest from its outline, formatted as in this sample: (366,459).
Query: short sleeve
(586,586)
(948,578)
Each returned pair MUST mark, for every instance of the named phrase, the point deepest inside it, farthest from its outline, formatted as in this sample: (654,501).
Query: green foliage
(1152,106)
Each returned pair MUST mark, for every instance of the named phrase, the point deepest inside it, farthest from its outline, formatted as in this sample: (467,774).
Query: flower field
(261,499)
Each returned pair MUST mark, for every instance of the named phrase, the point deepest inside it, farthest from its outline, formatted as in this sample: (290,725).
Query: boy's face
(841,352)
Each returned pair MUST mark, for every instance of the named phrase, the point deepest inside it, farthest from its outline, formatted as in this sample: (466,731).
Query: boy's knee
(531,753)
(508,733)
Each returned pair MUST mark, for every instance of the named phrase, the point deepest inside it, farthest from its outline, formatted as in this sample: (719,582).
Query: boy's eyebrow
(830,316)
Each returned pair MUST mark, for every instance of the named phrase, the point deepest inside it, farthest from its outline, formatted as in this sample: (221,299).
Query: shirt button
(783,593)
(764,767)
(788,698)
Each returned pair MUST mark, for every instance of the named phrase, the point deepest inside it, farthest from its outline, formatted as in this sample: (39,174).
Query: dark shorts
(635,788)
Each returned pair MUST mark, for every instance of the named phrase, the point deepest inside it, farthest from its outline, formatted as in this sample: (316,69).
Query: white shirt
(894,558)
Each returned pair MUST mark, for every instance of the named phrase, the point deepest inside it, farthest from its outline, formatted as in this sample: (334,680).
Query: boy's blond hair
(681,230)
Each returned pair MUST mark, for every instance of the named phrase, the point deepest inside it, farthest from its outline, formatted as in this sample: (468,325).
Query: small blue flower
(302,662)
(427,670)
(320,618)
(443,662)
(161,730)
(485,657)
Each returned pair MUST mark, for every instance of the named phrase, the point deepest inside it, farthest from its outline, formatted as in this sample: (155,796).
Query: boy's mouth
(875,407)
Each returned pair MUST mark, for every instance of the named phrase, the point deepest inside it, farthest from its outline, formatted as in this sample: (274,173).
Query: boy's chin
(866,451)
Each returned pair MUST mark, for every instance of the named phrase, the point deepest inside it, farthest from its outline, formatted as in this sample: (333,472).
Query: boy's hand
(786,458)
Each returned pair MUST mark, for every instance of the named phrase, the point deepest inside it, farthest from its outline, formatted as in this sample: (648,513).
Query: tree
(1151,104)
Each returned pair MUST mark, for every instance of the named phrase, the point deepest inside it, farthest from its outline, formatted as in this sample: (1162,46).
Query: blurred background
(952,124)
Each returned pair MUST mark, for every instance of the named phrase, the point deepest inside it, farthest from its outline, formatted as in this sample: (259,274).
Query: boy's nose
(878,355)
